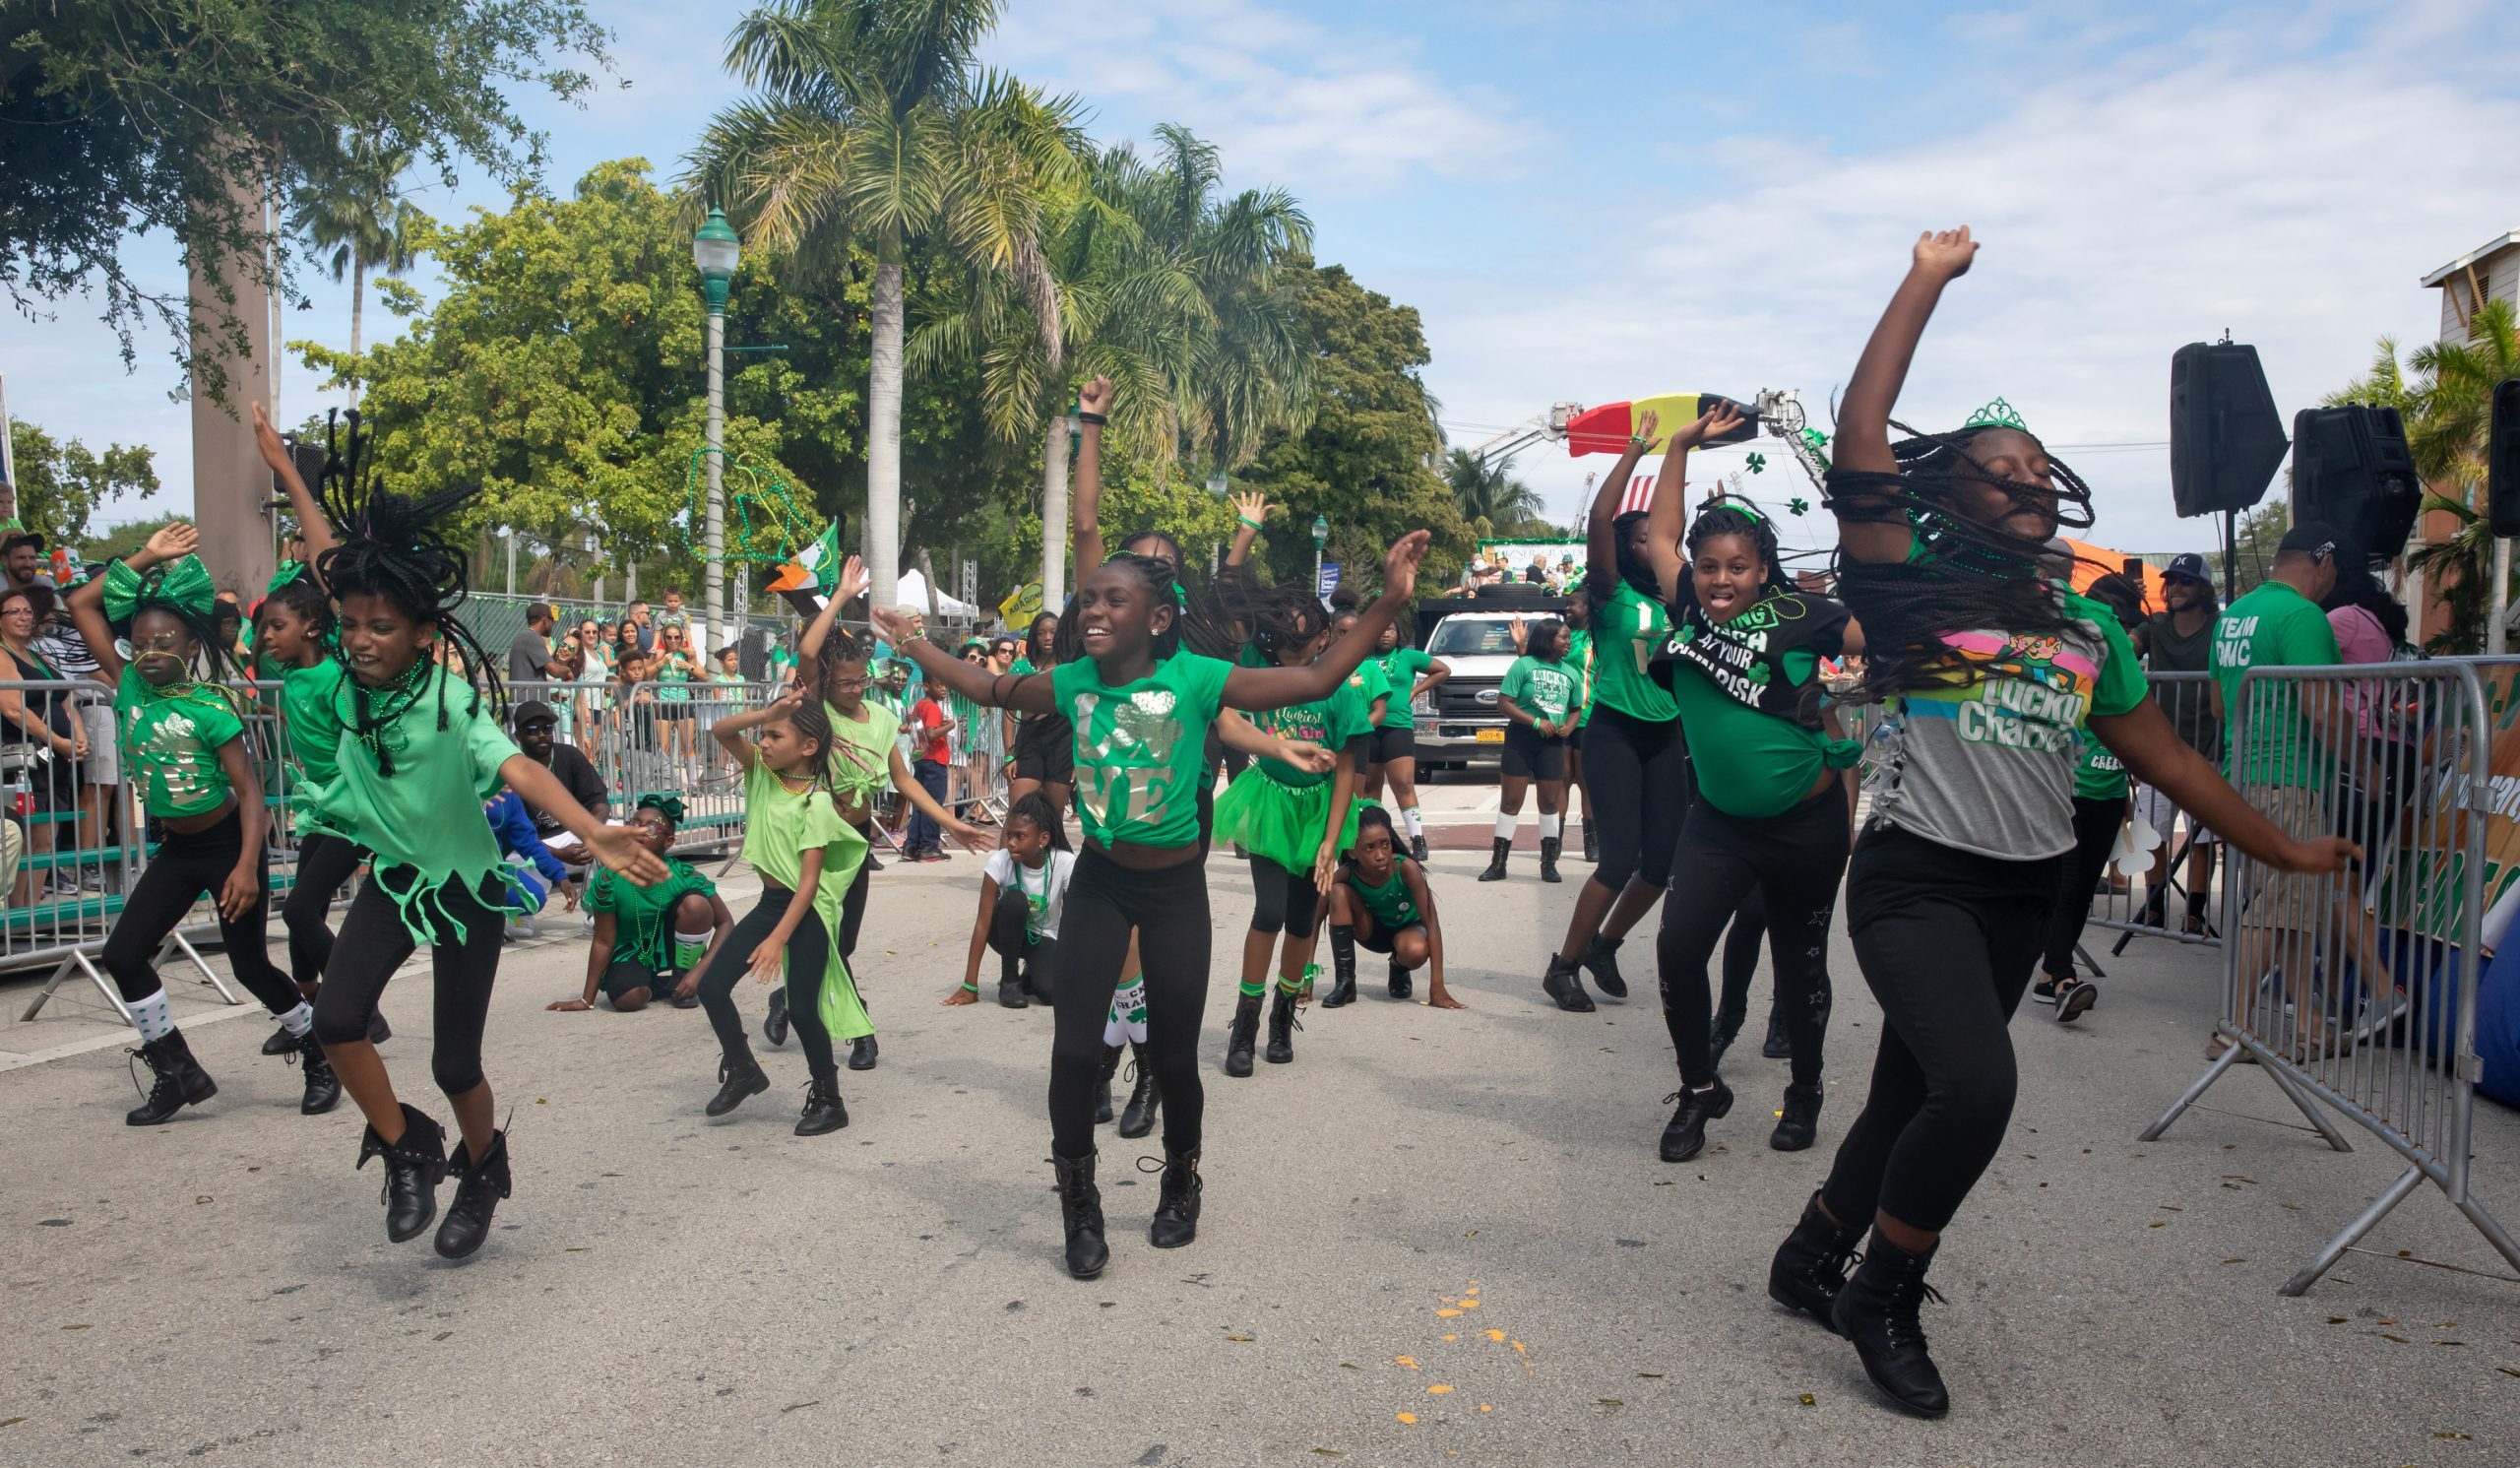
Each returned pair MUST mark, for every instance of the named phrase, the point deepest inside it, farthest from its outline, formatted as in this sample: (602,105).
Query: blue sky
(1599,201)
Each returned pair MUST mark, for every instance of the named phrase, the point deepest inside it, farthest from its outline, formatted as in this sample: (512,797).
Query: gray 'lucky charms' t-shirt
(1990,768)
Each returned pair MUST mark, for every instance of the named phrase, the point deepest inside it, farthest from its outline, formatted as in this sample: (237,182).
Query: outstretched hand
(172,543)
(1096,396)
(1253,508)
(1946,252)
(626,850)
(892,626)
(853,582)
(1715,422)
(1400,565)
(267,438)
(2316,857)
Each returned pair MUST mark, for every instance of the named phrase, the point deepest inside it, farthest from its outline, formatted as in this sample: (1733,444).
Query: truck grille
(1467,698)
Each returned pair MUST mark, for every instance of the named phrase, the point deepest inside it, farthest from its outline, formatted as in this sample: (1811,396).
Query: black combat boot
(477,1191)
(323,1087)
(1878,1313)
(1282,1028)
(181,1081)
(1810,1266)
(1242,1036)
(739,1075)
(1176,1206)
(1495,871)
(414,1166)
(1146,1097)
(1081,1211)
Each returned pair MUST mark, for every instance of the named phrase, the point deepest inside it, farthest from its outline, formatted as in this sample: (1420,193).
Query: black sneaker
(2044,990)
(1417,849)
(774,1025)
(2076,1000)
(1564,982)
(1684,1135)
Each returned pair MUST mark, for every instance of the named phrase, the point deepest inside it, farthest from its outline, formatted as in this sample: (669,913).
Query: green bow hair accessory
(670,806)
(290,570)
(1996,414)
(182,585)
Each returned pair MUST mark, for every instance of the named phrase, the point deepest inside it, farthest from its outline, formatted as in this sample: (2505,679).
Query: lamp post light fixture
(1320,538)
(715,250)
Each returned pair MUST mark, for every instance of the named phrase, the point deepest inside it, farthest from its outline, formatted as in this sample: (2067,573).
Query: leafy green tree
(1366,461)
(61,483)
(872,121)
(126,538)
(357,222)
(1490,499)
(126,117)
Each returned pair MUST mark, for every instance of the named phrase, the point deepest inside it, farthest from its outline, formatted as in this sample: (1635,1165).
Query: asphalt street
(1434,1237)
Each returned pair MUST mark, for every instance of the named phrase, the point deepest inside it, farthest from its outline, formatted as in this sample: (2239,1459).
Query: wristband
(1096,418)
(1254,523)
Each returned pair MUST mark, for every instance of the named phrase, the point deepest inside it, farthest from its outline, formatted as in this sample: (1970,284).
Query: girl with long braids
(807,853)
(183,742)
(1141,706)
(1634,760)
(1773,813)
(1295,819)
(420,747)
(1988,666)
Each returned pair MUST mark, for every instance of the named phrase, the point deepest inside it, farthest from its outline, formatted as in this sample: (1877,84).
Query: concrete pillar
(231,486)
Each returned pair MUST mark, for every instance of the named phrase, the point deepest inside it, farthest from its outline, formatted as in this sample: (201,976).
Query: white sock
(152,1017)
(1505,825)
(297,1021)
(1551,825)
(1408,818)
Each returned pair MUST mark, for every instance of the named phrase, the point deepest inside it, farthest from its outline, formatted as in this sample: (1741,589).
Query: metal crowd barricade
(656,738)
(2150,904)
(2357,992)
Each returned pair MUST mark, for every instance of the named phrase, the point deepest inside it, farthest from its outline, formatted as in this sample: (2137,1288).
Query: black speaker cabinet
(2225,438)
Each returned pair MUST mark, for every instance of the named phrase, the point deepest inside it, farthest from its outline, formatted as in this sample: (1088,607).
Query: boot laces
(165,1074)
(1903,1313)
(1180,1180)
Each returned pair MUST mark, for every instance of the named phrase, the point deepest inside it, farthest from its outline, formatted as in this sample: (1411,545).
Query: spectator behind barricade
(637,615)
(929,732)
(2370,627)
(21,560)
(530,659)
(2180,639)
(534,871)
(228,620)
(13,850)
(101,774)
(535,723)
(2281,762)
(41,743)
(673,615)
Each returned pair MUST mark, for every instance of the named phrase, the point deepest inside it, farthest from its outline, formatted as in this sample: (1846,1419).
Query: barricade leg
(2363,1222)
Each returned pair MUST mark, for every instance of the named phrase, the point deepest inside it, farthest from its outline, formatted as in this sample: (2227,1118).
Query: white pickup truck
(1457,723)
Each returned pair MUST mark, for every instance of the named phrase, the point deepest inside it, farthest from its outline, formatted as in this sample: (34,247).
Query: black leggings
(809,958)
(464,961)
(1010,937)
(1742,959)
(2095,825)
(852,905)
(1638,771)
(1946,939)
(184,867)
(1169,908)
(1793,861)
(1281,901)
(324,864)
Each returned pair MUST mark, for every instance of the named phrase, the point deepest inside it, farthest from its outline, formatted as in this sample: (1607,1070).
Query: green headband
(670,806)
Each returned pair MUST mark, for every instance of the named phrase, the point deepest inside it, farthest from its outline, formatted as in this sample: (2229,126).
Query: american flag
(1639,495)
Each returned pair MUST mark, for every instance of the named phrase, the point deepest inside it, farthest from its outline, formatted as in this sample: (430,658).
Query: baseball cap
(2189,565)
(2311,538)
(533,711)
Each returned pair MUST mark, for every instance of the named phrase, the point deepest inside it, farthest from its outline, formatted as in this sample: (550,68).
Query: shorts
(2281,899)
(1373,937)
(1045,751)
(104,751)
(1528,757)
(673,712)
(1390,743)
(624,975)
(2160,812)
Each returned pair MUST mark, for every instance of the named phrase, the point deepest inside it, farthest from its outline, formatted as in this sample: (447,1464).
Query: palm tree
(871,120)
(357,216)
(2447,401)
(1174,293)
(1491,499)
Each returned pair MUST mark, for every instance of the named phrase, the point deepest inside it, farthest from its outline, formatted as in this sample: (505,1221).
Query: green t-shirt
(2273,626)
(2098,775)
(1393,905)
(861,763)
(1579,657)
(673,675)
(312,724)
(170,739)
(1544,689)
(1139,747)
(1370,682)
(1628,630)
(643,917)
(1402,668)
(1329,721)
(424,821)
(1749,702)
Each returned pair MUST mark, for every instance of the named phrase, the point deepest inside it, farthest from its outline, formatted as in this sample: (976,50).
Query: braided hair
(1969,572)
(810,722)
(1633,569)
(1041,811)
(398,548)
(1195,622)
(1285,618)
(1736,517)
(303,599)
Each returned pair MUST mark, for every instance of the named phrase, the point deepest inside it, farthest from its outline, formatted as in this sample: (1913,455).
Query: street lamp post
(715,250)
(507,533)
(1321,537)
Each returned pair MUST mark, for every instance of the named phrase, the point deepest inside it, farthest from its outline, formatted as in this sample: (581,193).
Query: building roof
(2492,246)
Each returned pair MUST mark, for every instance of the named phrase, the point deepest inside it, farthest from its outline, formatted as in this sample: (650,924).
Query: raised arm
(313,525)
(729,731)
(87,602)
(1863,416)
(929,806)
(853,585)
(1024,693)
(1667,521)
(1255,688)
(1601,543)
(1249,512)
(2155,754)
(1084,508)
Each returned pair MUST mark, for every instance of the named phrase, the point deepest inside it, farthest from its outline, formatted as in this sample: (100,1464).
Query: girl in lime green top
(420,746)
(182,741)
(1141,707)
(1412,673)
(807,856)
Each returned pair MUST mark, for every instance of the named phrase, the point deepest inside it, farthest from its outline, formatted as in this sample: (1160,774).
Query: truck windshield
(1462,637)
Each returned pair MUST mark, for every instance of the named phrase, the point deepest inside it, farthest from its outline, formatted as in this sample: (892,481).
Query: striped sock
(1290,986)
(152,1017)
(688,947)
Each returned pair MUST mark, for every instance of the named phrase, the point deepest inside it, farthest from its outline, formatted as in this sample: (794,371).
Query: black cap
(20,537)
(2311,538)
(533,711)
(2189,565)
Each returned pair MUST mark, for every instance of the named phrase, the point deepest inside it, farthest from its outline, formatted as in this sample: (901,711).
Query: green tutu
(1282,822)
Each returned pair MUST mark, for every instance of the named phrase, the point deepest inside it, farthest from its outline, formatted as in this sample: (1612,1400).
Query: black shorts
(673,712)
(1394,744)
(1528,757)
(1373,937)
(623,977)
(1045,751)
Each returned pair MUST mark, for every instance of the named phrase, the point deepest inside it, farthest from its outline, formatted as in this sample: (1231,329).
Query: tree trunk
(2494,637)
(358,302)
(884,439)
(928,573)
(1054,533)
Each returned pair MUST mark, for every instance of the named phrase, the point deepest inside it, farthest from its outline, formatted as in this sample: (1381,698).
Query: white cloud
(2124,212)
